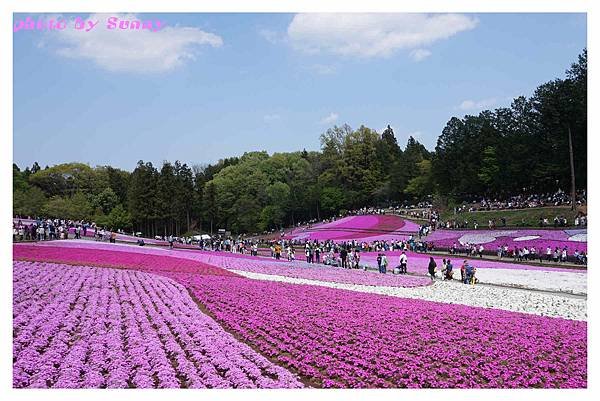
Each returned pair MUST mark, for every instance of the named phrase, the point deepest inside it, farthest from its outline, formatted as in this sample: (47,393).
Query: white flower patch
(578,238)
(510,299)
(554,281)
(526,238)
(483,238)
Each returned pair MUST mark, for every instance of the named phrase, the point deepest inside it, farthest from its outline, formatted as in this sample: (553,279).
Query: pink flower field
(88,314)
(360,228)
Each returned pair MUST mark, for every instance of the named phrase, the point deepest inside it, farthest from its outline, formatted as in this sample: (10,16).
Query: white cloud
(331,118)
(477,105)
(373,35)
(420,54)
(132,50)
(271,117)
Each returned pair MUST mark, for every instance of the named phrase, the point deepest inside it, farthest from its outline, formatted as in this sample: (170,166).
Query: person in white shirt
(403,263)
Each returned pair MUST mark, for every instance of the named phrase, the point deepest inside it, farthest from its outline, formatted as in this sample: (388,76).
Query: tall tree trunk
(573,193)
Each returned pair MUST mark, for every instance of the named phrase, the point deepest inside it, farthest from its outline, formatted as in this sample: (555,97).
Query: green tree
(332,199)
(29,202)
(119,218)
(105,200)
(421,185)
(488,173)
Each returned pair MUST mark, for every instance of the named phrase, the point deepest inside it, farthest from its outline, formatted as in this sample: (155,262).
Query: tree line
(524,147)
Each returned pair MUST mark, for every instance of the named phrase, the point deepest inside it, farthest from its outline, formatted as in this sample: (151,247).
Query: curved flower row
(338,338)
(139,260)
(85,327)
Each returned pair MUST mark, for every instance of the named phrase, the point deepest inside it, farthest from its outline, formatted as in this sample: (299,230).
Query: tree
(105,200)
(29,202)
(488,173)
(273,214)
(211,207)
(119,218)
(19,180)
(332,199)
(118,181)
(142,197)
(421,185)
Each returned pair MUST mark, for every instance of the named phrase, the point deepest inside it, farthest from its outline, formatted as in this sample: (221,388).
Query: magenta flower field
(78,326)
(360,228)
(346,339)
(89,314)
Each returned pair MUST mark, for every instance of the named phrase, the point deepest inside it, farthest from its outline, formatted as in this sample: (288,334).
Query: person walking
(431,268)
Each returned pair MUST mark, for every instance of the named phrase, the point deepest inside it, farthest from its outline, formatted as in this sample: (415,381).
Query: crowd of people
(347,255)
(524,201)
(580,220)
(44,229)
(521,254)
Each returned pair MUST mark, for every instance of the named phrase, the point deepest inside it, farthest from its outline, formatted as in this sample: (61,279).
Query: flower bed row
(87,327)
(131,259)
(338,338)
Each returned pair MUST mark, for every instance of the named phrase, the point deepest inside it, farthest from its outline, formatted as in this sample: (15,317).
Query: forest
(497,153)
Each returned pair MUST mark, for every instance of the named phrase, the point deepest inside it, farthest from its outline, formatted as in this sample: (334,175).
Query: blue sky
(210,86)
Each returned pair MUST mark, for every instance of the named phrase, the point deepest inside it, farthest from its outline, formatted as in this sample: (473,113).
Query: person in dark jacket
(432,267)
(344,256)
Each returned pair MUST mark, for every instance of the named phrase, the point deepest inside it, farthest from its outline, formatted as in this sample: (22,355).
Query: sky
(201,87)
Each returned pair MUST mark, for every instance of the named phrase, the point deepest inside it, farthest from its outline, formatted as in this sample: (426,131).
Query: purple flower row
(87,327)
